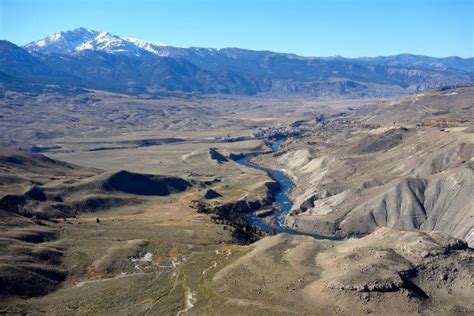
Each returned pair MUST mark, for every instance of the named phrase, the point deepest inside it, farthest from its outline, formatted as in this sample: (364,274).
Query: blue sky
(311,28)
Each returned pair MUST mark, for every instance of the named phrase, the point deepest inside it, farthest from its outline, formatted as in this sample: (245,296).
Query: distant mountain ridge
(98,59)
(83,39)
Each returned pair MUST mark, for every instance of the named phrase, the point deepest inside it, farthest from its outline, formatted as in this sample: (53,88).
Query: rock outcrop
(402,271)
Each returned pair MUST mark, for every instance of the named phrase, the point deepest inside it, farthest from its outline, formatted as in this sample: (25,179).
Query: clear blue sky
(311,28)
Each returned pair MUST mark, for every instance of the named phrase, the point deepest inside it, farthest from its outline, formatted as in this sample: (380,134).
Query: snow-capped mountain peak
(84,39)
(62,42)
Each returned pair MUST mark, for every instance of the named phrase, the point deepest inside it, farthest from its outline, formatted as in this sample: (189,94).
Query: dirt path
(190,300)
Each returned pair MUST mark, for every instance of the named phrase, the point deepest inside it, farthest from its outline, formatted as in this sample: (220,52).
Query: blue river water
(282,199)
(284,204)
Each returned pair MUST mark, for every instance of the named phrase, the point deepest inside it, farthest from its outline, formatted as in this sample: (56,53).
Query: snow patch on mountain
(152,47)
(62,42)
(84,39)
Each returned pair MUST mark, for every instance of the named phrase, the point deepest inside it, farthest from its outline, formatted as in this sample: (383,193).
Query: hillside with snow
(101,60)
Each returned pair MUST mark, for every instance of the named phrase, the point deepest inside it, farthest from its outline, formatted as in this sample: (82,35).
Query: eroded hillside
(411,175)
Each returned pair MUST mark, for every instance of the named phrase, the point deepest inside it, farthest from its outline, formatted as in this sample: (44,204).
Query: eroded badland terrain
(116,204)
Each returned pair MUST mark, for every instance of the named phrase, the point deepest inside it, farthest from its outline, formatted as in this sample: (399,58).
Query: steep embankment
(413,177)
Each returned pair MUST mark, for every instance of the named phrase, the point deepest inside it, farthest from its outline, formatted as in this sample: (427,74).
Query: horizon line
(242,48)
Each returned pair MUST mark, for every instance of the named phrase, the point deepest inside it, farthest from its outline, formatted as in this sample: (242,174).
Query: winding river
(282,199)
(281,196)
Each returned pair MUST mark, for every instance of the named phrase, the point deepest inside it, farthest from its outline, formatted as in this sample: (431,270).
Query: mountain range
(100,60)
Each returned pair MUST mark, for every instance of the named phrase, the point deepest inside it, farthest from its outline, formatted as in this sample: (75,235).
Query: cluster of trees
(233,214)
